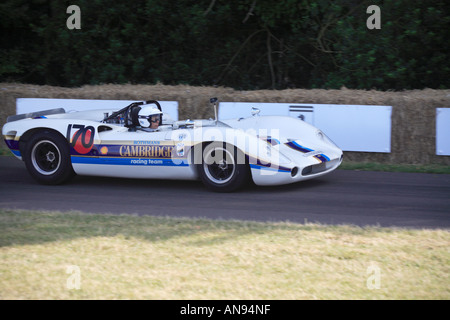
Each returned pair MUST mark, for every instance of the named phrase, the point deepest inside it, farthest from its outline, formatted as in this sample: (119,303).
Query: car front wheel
(223,168)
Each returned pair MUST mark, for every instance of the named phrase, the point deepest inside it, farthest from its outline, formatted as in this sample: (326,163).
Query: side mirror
(255,111)
(214,102)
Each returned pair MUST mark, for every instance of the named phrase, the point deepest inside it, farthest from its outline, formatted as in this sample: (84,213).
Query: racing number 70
(83,138)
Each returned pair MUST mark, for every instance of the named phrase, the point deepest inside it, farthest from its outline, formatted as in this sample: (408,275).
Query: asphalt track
(362,198)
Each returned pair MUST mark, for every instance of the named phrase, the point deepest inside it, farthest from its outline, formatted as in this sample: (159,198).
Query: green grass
(143,257)
(372,166)
(4,151)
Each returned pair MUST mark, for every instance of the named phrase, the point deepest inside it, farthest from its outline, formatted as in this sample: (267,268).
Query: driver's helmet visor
(155,118)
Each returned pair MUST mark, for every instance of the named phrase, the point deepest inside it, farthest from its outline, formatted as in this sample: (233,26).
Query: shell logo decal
(104,150)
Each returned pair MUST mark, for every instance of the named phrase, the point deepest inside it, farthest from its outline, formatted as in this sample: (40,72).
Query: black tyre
(223,168)
(47,158)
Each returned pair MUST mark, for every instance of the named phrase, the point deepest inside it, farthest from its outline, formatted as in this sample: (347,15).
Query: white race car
(224,155)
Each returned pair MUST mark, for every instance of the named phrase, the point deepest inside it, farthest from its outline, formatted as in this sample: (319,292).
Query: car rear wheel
(223,168)
(47,158)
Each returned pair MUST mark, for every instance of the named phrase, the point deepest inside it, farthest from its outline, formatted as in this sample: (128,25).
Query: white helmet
(146,113)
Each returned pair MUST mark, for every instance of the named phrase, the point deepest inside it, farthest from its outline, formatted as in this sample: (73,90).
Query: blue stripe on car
(320,157)
(130,161)
(275,168)
(294,145)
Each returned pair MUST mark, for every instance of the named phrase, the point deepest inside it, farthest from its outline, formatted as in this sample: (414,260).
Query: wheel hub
(45,157)
(222,165)
(50,156)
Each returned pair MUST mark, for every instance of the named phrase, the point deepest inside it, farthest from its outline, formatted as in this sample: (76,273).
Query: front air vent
(316,168)
(103,128)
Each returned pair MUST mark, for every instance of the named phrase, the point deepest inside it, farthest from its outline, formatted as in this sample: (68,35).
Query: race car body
(224,155)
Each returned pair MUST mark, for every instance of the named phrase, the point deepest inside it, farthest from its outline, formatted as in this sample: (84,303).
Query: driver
(150,118)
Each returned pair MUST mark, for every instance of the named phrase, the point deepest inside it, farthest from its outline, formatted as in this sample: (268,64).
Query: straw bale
(413,117)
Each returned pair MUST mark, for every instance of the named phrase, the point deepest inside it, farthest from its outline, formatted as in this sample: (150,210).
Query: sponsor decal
(129,161)
(180,149)
(146,162)
(141,142)
(146,151)
(130,151)
(104,150)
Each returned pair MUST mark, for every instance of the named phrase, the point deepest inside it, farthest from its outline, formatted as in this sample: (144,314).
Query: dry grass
(131,257)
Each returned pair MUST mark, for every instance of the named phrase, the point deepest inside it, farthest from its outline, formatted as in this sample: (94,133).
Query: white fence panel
(352,127)
(356,128)
(25,105)
(443,131)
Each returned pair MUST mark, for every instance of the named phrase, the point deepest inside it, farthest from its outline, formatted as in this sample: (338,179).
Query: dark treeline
(244,44)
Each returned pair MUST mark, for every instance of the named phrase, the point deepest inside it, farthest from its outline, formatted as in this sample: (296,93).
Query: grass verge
(53,255)
(4,151)
(413,168)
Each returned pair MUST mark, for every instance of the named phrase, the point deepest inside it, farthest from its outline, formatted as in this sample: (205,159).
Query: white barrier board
(356,128)
(359,128)
(443,131)
(25,105)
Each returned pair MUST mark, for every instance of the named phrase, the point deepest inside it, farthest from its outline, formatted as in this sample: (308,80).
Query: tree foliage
(244,44)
